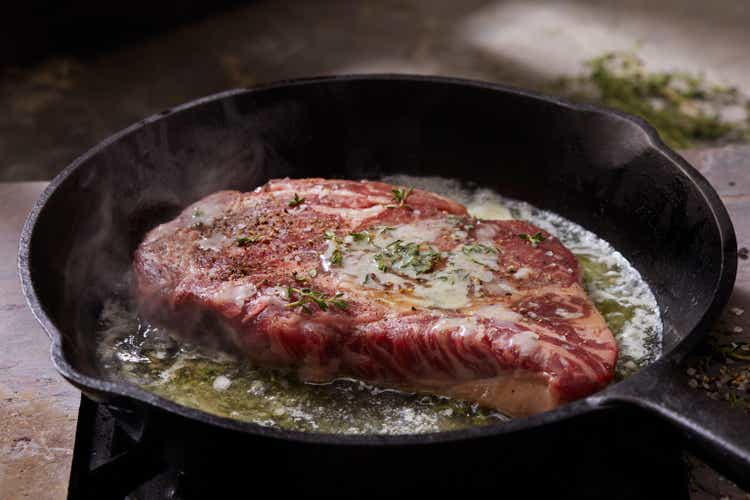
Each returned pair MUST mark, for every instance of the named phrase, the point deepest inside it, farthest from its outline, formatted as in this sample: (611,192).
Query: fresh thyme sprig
(243,241)
(534,239)
(398,254)
(400,196)
(305,297)
(362,235)
(337,257)
(296,201)
(479,248)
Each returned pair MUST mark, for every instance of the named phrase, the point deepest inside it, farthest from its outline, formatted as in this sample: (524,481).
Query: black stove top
(613,455)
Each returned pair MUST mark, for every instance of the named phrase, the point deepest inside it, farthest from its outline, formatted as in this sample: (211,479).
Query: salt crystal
(737,329)
(737,311)
(221,383)
(257,388)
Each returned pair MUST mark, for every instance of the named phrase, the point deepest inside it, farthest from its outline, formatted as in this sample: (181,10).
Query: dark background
(74,72)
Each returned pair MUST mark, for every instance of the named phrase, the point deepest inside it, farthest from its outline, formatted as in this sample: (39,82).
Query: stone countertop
(38,408)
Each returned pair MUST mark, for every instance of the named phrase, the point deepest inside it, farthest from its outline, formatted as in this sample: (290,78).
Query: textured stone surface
(728,170)
(38,408)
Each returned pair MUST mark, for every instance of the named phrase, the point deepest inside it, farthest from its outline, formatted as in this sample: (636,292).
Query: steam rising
(145,178)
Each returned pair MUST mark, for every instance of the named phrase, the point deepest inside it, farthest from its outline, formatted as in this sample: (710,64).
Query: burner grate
(144,456)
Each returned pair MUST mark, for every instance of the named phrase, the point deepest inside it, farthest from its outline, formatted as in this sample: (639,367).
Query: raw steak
(399,288)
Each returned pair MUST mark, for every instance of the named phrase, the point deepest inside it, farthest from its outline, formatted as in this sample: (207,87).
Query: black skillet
(605,170)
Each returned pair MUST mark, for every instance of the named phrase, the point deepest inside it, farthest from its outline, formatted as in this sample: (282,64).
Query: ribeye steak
(400,288)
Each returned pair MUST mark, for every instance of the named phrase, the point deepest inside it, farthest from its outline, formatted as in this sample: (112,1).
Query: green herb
(337,257)
(736,350)
(296,276)
(246,240)
(400,196)
(366,279)
(197,213)
(296,201)
(383,261)
(304,297)
(732,398)
(479,248)
(420,258)
(338,302)
(363,235)
(533,239)
(683,107)
(382,231)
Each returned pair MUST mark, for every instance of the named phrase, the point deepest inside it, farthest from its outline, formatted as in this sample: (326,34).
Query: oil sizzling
(149,357)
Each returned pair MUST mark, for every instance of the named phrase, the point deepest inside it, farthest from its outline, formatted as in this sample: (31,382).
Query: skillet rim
(601,400)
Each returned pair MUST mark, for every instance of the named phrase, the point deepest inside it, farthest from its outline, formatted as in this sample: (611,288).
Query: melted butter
(526,342)
(237,293)
(413,232)
(454,286)
(206,213)
(489,210)
(497,312)
(213,243)
(448,293)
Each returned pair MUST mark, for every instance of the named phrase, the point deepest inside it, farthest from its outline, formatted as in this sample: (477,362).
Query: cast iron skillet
(607,171)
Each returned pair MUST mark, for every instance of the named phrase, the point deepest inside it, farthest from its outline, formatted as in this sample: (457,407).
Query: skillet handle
(713,431)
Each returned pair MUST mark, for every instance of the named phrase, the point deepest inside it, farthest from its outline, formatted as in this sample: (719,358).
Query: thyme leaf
(296,201)
(337,257)
(361,236)
(243,241)
(420,258)
(305,297)
(400,196)
(479,248)
(534,239)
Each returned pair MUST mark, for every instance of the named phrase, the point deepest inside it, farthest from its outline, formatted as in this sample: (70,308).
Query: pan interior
(597,169)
